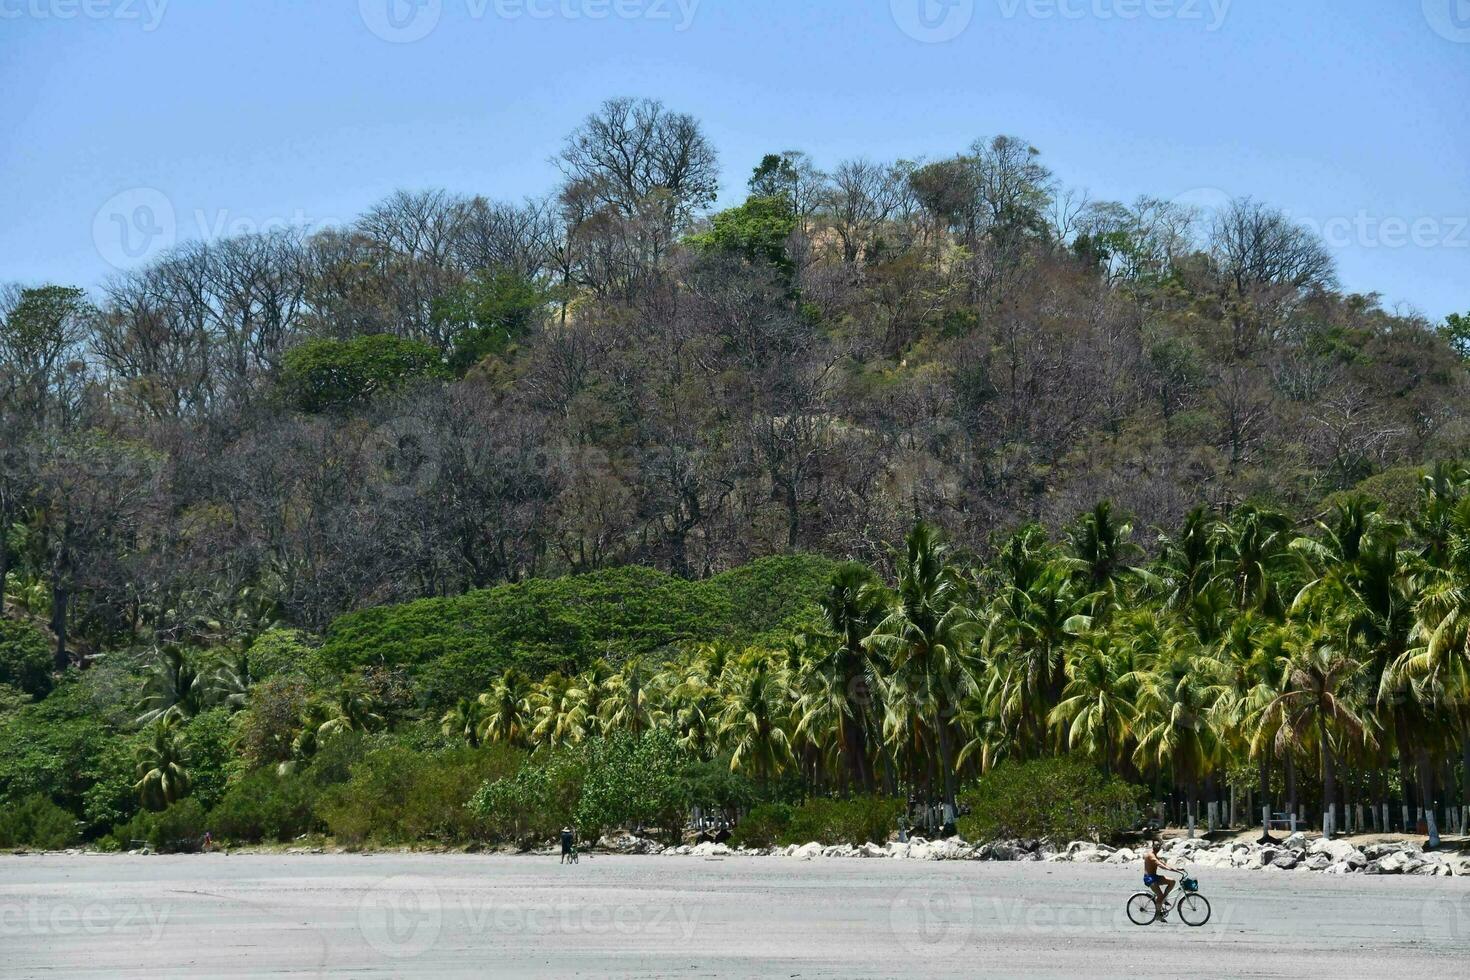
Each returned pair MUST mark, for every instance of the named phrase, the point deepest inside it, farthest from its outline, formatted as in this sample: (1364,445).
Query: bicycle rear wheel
(1194,910)
(1142,909)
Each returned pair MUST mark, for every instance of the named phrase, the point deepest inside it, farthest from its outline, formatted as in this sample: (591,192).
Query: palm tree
(176,688)
(1101,546)
(1098,703)
(629,701)
(752,719)
(926,637)
(1186,560)
(352,711)
(1252,554)
(506,715)
(1174,727)
(852,608)
(1316,707)
(163,778)
(556,711)
(464,721)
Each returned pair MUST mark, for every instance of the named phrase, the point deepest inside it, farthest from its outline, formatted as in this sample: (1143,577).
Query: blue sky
(221,116)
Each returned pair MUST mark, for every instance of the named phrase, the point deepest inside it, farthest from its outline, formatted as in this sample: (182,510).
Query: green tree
(163,776)
(335,375)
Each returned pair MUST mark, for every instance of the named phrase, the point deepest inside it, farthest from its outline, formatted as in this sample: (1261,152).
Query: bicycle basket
(1191,885)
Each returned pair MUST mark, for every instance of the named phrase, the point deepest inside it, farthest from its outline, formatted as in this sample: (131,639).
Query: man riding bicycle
(1155,882)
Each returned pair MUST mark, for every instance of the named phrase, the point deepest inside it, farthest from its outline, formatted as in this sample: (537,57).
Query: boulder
(872,851)
(628,844)
(1375,851)
(708,849)
(1297,841)
(838,851)
(1286,861)
(807,852)
(1002,850)
(1319,862)
(1342,869)
(1122,856)
(1336,851)
(1393,863)
(921,851)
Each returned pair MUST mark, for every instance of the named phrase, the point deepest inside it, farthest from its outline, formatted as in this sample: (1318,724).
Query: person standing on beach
(567,842)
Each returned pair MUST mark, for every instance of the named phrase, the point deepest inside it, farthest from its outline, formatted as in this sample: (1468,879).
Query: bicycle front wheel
(1194,910)
(1142,909)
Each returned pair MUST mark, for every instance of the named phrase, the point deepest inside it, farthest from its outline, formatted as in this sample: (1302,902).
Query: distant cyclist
(1155,882)
(568,846)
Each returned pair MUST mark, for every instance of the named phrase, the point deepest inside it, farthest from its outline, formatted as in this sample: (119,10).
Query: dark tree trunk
(60,600)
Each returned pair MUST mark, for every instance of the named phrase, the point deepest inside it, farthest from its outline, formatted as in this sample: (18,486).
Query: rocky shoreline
(1296,853)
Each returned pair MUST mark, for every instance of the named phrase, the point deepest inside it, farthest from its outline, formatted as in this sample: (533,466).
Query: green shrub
(537,800)
(179,828)
(25,658)
(53,747)
(1064,799)
(399,796)
(282,652)
(634,782)
(762,826)
(264,807)
(207,744)
(858,821)
(37,822)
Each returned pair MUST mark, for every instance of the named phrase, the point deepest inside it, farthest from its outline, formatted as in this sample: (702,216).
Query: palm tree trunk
(1426,794)
(1265,777)
(1406,777)
(1291,784)
(1329,782)
(946,759)
(1465,783)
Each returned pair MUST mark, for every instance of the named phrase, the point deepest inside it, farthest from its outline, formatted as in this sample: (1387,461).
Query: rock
(1337,851)
(1394,863)
(871,850)
(1319,862)
(628,844)
(838,851)
(1004,851)
(711,850)
(921,851)
(1286,861)
(807,852)
(1297,841)
(954,849)
(1122,856)
(1342,868)
(1375,851)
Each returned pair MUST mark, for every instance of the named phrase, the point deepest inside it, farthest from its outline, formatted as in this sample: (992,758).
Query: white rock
(807,852)
(1122,856)
(871,850)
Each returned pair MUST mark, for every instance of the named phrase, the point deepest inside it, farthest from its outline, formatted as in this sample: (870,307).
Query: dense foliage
(464,477)
(1065,799)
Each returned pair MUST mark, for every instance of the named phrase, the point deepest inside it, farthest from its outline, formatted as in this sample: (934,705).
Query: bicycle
(1193,908)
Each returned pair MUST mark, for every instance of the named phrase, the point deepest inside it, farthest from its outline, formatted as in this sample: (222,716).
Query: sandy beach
(466,915)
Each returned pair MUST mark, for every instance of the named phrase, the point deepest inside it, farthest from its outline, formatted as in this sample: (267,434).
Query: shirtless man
(1155,882)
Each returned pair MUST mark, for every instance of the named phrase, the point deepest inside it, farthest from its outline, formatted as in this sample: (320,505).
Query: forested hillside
(340,526)
(453,392)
